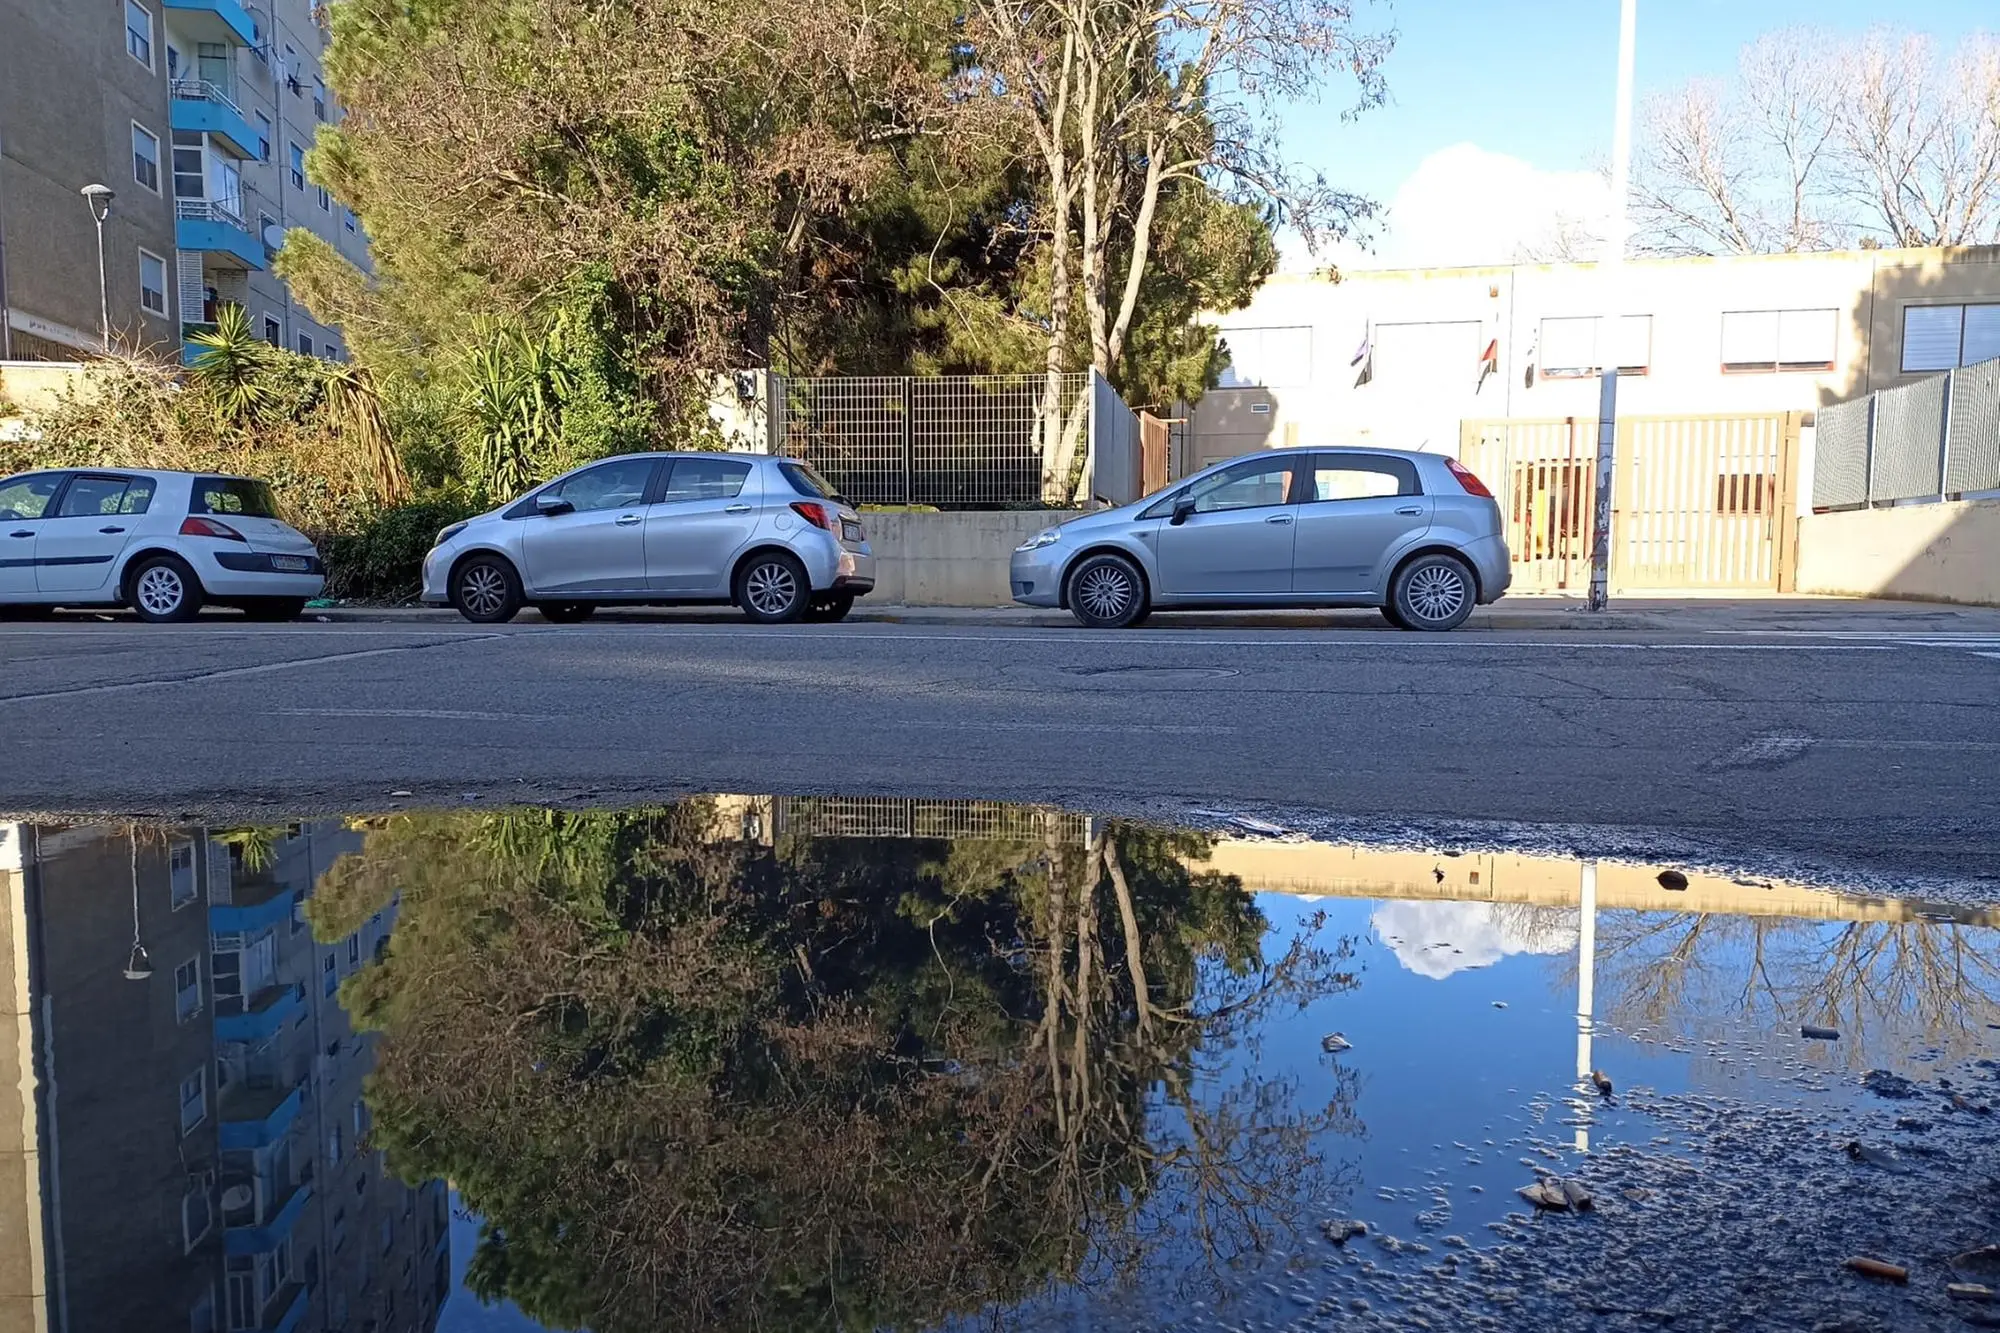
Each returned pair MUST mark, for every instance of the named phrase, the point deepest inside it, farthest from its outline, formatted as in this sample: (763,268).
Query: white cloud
(1468,205)
(1436,939)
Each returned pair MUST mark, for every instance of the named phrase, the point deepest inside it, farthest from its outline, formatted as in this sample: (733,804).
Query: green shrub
(382,559)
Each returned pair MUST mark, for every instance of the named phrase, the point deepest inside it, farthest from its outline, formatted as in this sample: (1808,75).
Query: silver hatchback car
(768,534)
(1416,535)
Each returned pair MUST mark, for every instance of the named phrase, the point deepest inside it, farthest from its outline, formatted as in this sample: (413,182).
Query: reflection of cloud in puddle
(1424,935)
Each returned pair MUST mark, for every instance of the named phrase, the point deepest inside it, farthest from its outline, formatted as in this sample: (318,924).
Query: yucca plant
(233,366)
(354,409)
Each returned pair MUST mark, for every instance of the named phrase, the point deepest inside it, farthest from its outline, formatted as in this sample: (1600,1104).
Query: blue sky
(1532,79)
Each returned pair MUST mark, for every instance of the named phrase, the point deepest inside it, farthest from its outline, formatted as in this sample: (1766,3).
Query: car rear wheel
(1390,614)
(772,589)
(829,609)
(1107,592)
(274,609)
(165,591)
(486,590)
(567,613)
(1433,592)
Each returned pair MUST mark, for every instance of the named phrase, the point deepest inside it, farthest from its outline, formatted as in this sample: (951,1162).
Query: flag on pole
(1364,357)
(1489,363)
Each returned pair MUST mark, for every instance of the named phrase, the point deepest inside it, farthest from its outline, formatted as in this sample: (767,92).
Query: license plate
(291,562)
(850,531)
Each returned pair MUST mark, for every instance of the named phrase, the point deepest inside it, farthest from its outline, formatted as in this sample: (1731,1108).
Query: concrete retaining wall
(35,385)
(1948,552)
(953,559)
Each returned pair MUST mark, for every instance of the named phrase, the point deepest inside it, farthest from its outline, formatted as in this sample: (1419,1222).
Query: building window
(298,167)
(139,32)
(298,899)
(1569,346)
(274,334)
(145,157)
(330,976)
(263,137)
(187,990)
(196,1218)
(1434,356)
(1267,358)
(323,199)
(194,1100)
(319,100)
(1945,337)
(1769,341)
(189,177)
(347,218)
(354,949)
(153,300)
(180,856)
(305,344)
(333,1145)
(329,351)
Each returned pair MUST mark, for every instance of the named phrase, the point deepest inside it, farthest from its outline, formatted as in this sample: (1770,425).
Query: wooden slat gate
(1697,502)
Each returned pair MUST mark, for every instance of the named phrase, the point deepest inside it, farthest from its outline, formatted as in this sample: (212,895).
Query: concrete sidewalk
(1689,615)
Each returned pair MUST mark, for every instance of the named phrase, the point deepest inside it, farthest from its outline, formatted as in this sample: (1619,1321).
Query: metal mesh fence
(1840,455)
(1972,452)
(896,817)
(957,442)
(1907,457)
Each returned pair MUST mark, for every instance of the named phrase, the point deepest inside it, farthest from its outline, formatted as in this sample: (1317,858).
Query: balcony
(204,108)
(253,1117)
(251,911)
(223,21)
(213,228)
(242,1234)
(264,1017)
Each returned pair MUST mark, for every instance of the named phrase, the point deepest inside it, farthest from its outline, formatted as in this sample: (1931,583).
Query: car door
(1357,510)
(81,540)
(706,512)
(596,543)
(24,508)
(1238,540)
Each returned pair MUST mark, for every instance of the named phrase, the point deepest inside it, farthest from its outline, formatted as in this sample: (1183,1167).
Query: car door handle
(1279,519)
(29,533)
(627,520)
(736,509)
(1411,510)
(111,529)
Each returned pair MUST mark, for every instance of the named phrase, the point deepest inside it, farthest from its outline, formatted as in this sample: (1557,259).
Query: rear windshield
(232,495)
(806,480)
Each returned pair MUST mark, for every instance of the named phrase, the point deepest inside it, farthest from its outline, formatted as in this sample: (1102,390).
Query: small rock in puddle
(1340,1230)
(1893,1086)
(1879,1157)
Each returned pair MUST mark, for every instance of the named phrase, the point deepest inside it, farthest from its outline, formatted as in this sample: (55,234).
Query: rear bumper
(227,574)
(1495,566)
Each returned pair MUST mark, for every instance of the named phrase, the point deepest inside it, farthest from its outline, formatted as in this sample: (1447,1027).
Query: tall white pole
(1612,270)
(103,295)
(1586,999)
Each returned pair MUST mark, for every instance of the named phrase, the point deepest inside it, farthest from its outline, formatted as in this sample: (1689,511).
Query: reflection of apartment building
(1401,357)
(197,114)
(191,1147)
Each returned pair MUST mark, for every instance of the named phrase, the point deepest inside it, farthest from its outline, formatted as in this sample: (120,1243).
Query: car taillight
(1466,478)
(208,527)
(813,513)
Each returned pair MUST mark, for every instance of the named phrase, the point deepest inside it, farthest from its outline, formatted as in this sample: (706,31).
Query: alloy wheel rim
(484,589)
(1437,593)
(771,589)
(161,591)
(1105,592)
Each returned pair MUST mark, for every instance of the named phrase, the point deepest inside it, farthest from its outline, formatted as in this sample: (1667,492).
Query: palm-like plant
(353,408)
(233,365)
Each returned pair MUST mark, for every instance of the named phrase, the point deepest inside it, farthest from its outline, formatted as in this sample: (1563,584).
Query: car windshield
(806,480)
(233,495)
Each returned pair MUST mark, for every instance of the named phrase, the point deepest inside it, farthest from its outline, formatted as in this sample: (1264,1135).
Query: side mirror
(1183,508)
(548,506)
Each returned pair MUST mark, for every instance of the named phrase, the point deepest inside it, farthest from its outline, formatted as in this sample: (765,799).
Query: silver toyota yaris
(770,535)
(1417,535)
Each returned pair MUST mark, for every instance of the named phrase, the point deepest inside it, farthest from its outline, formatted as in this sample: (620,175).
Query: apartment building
(1402,357)
(197,115)
(184,1124)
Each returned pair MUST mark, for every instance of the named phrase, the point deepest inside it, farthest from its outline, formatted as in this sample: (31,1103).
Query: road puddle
(769,1063)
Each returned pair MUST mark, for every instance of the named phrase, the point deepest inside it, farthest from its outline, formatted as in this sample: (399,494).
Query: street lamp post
(99,198)
(1612,266)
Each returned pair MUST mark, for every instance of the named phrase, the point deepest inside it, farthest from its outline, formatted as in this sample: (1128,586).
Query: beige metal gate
(1697,501)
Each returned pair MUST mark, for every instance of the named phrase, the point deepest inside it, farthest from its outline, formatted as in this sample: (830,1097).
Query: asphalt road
(1870,758)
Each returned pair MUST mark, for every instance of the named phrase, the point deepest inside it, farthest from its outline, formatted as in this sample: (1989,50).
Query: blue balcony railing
(214,21)
(247,1124)
(212,228)
(202,107)
(262,1240)
(265,1017)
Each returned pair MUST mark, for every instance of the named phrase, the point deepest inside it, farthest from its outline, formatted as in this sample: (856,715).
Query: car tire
(1390,614)
(486,590)
(826,610)
(566,613)
(1107,592)
(274,610)
(772,588)
(164,591)
(1434,593)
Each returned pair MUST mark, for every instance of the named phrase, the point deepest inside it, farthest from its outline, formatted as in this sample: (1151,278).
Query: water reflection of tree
(838,1083)
(1938,980)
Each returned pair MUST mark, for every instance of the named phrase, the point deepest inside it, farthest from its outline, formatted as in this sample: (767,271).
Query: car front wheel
(1107,592)
(486,590)
(1433,592)
(772,589)
(165,591)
